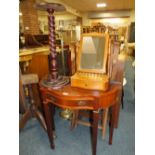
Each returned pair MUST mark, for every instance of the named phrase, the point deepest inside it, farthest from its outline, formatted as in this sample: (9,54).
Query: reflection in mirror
(92,54)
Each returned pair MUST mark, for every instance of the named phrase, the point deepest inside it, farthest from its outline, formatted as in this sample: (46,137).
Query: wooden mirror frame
(105,56)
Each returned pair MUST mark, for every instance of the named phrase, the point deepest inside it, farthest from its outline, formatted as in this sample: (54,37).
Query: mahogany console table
(76,99)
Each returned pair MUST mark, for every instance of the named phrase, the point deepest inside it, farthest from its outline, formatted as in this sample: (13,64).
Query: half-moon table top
(77,98)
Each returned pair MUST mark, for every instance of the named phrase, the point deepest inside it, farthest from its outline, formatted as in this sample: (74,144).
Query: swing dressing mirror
(91,62)
(93,53)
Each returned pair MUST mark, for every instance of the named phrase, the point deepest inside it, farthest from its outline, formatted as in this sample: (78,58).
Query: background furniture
(36,40)
(34,61)
(116,71)
(78,99)
(30,110)
(39,65)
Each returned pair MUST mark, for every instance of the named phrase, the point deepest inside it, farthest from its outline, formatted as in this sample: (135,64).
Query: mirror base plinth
(90,81)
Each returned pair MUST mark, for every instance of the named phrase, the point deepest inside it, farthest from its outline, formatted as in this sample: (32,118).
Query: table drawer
(76,103)
(81,103)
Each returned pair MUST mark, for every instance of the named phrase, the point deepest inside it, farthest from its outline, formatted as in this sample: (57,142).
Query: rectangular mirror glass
(92,52)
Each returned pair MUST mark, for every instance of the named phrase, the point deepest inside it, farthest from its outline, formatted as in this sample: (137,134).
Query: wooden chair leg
(27,115)
(22,101)
(104,122)
(34,108)
(36,96)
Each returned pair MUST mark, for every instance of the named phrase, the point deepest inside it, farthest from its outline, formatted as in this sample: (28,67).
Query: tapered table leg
(104,122)
(49,123)
(117,109)
(74,119)
(95,130)
(112,123)
(52,119)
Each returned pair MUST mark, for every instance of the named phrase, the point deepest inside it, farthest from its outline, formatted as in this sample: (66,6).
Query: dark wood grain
(49,123)
(53,54)
(95,130)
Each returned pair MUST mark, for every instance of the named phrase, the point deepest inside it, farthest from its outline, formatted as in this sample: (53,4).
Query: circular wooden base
(55,83)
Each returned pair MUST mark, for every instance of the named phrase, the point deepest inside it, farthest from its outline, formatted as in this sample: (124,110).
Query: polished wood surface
(77,99)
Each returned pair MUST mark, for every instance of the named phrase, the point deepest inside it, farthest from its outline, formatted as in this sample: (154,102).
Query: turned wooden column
(53,80)
(53,54)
